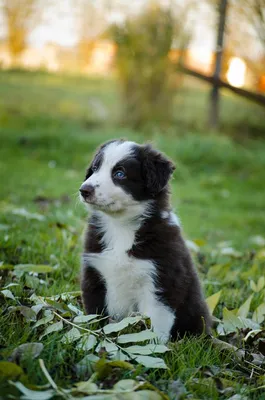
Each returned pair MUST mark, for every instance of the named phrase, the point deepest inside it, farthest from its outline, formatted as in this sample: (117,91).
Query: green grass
(50,126)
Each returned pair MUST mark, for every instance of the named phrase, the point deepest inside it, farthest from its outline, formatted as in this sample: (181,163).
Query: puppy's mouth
(102,206)
(97,204)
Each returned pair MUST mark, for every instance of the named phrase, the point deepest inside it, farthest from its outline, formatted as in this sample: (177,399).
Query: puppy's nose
(87,190)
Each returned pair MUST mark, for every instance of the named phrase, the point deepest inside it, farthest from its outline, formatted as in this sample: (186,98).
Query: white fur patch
(173,219)
(129,281)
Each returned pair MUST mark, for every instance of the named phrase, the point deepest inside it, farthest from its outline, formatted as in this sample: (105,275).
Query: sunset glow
(236,72)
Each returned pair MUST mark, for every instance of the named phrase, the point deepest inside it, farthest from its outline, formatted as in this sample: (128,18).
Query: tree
(246,12)
(215,96)
(254,13)
(20,17)
(145,71)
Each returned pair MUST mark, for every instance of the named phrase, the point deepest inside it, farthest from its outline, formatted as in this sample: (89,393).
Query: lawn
(49,128)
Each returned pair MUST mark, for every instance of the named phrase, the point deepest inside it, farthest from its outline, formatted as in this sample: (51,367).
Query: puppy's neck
(131,216)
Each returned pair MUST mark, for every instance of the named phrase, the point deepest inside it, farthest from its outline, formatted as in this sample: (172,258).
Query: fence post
(214,96)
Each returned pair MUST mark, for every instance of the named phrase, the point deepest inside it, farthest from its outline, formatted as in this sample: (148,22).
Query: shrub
(144,68)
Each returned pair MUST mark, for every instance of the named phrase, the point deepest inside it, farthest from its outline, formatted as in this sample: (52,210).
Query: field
(49,129)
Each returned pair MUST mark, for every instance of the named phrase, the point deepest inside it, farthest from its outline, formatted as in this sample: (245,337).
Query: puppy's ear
(157,170)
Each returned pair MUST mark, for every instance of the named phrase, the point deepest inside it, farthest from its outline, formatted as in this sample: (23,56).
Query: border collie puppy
(135,259)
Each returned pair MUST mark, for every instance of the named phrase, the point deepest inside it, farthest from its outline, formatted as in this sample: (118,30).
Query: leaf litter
(107,351)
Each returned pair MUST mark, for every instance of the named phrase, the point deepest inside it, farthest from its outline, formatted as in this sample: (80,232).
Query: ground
(50,126)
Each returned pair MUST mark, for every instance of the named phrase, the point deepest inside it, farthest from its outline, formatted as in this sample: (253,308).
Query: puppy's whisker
(74,194)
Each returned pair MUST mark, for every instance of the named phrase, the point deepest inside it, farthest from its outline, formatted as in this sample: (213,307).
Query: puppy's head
(123,174)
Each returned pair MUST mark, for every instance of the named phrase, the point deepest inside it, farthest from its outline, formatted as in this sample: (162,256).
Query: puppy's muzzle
(87,191)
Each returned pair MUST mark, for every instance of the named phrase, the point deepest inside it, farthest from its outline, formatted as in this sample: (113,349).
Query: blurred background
(149,49)
(187,75)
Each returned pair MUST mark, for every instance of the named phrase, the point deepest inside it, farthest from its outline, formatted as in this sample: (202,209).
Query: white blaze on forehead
(117,151)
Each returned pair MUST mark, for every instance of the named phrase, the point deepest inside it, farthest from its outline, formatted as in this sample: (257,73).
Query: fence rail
(256,97)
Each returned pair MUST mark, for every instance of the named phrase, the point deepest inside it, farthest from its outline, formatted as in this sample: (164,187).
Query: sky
(59,24)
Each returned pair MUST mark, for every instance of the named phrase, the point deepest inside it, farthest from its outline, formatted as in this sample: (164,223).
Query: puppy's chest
(126,277)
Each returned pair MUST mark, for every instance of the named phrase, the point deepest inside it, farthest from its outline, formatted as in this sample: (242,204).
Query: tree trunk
(215,95)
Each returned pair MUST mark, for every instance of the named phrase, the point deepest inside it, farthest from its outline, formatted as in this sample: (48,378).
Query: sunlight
(236,72)
(200,58)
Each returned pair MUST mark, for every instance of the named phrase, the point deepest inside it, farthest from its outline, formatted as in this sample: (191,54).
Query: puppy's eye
(94,168)
(119,174)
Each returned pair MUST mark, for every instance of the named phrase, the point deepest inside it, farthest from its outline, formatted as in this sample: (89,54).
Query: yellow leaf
(213,300)
(257,287)
(244,309)
(261,283)
(253,286)
(259,314)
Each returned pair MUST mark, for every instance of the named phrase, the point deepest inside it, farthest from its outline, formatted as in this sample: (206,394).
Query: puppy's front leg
(93,288)
(162,317)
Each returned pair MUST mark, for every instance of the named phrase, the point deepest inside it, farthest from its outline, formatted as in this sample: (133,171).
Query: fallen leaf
(109,346)
(219,271)
(147,349)
(37,308)
(213,300)
(11,285)
(10,371)
(75,309)
(87,342)
(34,394)
(49,316)
(81,319)
(67,296)
(117,327)
(125,384)
(71,336)
(28,313)
(177,389)
(259,286)
(8,294)
(26,351)
(86,387)
(86,365)
(58,326)
(252,334)
(137,337)
(151,362)
(231,323)
(259,314)
(244,309)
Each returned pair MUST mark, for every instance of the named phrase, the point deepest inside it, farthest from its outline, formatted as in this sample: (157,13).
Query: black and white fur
(135,259)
